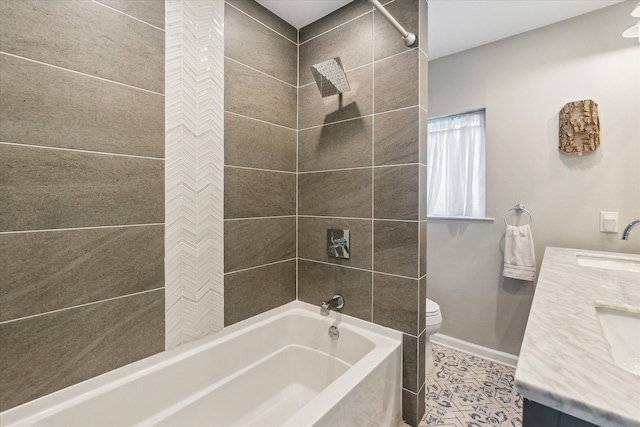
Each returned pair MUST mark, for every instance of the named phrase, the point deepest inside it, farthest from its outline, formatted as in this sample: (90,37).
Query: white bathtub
(276,369)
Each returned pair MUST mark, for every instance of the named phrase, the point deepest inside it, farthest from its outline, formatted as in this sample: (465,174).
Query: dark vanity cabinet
(536,415)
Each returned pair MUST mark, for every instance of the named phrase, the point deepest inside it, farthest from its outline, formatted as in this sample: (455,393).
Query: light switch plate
(608,222)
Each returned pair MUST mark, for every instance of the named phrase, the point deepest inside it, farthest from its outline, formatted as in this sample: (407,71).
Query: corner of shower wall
(423,82)
(260,113)
(361,167)
(194,174)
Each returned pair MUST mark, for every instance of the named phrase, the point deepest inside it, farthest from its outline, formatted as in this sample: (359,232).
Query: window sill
(461,218)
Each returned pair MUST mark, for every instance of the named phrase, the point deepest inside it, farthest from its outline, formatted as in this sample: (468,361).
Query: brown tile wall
(82,190)
(295,165)
(360,168)
(260,144)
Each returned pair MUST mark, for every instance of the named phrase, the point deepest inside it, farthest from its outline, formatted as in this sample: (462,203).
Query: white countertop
(565,362)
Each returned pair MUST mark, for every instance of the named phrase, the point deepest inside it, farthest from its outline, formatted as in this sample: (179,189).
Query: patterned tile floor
(468,391)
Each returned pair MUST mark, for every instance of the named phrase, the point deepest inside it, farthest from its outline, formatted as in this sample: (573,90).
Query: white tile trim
(475,350)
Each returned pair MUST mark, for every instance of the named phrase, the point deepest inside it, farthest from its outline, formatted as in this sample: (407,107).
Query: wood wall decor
(579,127)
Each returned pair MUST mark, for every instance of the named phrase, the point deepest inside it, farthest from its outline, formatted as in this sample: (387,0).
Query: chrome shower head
(330,77)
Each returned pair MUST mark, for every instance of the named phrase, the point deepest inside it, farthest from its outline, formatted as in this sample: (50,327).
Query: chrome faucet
(336,302)
(627,229)
(340,243)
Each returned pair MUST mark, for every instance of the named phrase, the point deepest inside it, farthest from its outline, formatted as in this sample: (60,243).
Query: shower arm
(409,38)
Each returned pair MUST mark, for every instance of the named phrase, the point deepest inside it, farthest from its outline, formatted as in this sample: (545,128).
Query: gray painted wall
(523,82)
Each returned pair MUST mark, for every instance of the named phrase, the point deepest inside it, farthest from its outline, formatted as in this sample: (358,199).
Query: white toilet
(433,322)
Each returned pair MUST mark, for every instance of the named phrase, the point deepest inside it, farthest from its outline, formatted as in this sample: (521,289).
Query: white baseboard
(476,350)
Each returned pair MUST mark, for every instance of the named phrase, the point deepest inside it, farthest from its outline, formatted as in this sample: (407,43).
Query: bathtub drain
(334,333)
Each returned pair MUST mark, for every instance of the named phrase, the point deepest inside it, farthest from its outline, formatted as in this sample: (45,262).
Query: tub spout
(332,304)
(627,229)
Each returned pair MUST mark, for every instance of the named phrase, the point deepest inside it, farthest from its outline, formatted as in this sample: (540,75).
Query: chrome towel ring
(518,208)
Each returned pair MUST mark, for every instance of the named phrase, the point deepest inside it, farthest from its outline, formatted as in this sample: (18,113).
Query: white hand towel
(519,255)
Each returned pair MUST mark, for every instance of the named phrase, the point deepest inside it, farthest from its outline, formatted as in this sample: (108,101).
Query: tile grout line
(337,26)
(130,16)
(81,73)
(259,217)
(352,119)
(259,266)
(420,248)
(372,11)
(81,228)
(258,120)
(298,125)
(412,392)
(358,268)
(261,23)
(372,63)
(259,169)
(373,158)
(360,168)
(81,305)
(17,144)
(259,71)
(359,218)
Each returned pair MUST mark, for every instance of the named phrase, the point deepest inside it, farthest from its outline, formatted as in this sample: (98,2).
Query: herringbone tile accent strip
(194,122)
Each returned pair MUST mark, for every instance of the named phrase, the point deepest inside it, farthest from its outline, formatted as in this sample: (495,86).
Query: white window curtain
(456,165)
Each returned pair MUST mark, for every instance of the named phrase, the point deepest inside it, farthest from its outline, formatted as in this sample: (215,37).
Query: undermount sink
(622,331)
(610,262)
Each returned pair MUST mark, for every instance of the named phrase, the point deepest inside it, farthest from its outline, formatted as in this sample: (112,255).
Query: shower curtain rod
(409,38)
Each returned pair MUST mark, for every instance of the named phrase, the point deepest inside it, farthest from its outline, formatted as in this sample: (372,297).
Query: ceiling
(304,12)
(457,25)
